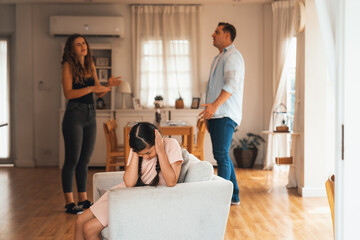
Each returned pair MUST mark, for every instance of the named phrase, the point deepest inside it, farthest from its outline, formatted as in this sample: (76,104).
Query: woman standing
(79,81)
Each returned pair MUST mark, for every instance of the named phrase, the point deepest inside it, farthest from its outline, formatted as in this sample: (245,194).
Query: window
(165,52)
(165,70)
(290,82)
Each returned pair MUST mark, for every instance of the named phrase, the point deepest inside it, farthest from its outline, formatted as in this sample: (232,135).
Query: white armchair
(196,209)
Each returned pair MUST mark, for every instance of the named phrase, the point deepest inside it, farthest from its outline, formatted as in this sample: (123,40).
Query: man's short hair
(227,27)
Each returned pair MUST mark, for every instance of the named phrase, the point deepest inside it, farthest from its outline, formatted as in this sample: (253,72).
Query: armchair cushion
(194,170)
(184,166)
(198,170)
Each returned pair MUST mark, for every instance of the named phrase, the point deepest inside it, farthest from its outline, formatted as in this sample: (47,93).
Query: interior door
(347,207)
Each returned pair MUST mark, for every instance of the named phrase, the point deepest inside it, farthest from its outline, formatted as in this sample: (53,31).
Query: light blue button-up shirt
(228,75)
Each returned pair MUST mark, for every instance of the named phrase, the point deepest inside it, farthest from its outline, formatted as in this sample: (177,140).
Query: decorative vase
(179,103)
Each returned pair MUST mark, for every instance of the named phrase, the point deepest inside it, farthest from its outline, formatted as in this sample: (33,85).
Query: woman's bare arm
(102,90)
(67,82)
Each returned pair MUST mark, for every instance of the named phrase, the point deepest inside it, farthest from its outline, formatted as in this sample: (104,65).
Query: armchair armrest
(194,210)
(104,181)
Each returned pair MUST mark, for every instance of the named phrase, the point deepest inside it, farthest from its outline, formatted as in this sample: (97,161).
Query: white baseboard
(39,163)
(46,163)
(311,192)
(24,163)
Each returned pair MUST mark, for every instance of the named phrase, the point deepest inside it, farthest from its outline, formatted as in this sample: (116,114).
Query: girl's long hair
(142,136)
(78,71)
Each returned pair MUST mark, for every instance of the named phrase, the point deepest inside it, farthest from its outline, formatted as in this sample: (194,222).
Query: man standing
(224,97)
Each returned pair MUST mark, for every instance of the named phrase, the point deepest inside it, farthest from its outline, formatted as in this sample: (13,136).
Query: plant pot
(245,158)
(158,104)
(179,103)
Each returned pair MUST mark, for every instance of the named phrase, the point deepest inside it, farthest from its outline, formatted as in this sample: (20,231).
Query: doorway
(5,125)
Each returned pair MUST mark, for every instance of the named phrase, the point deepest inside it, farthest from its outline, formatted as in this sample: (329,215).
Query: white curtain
(165,52)
(297,148)
(283,31)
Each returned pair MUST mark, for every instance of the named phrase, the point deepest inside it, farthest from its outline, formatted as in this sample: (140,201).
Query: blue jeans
(221,133)
(79,131)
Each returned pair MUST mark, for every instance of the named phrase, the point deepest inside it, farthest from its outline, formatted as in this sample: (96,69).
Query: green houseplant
(246,149)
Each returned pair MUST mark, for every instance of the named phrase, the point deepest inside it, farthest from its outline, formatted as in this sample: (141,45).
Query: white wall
(7,19)
(319,136)
(268,72)
(248,20)
(23,91)
(38,59)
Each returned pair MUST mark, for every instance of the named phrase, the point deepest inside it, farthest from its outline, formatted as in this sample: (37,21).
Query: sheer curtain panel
(283,31)
(165,52)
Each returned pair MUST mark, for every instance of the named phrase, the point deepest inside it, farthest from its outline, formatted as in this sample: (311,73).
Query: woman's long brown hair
(78,71)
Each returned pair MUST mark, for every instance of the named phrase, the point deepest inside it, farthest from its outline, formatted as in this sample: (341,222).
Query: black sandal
(84,204)
(71,208)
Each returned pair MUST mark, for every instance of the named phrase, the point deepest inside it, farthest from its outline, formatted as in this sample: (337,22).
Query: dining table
(166,128)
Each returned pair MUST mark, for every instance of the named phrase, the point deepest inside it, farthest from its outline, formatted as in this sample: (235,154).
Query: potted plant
(246,149)
(158,101)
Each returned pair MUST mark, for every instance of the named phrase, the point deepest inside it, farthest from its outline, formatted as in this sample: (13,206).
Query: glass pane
(179,47)
(4,100)
(152,47)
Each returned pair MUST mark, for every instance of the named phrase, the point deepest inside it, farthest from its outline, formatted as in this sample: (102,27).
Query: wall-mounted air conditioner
(87,25)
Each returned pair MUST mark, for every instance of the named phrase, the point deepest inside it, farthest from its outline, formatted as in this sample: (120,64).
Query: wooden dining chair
(330,191)
(115,153)
(198,149)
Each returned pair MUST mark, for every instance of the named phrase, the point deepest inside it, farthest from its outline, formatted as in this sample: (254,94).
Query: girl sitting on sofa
(153,160)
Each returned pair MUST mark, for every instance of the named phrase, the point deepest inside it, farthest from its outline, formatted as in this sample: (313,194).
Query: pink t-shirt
(148,167)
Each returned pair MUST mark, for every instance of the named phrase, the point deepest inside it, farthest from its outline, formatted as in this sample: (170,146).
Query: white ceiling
(141,1)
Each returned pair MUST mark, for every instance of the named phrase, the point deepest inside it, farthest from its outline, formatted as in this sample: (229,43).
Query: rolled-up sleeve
(232,73)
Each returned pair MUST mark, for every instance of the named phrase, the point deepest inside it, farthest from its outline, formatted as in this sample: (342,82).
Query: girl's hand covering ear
(159,143)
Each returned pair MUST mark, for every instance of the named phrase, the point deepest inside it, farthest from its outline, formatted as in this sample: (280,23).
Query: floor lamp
(124,88)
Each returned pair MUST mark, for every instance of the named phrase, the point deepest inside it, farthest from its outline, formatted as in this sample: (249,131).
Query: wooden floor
(32,207)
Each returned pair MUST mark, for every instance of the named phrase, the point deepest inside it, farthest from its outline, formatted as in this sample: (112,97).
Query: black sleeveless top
(88,98)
